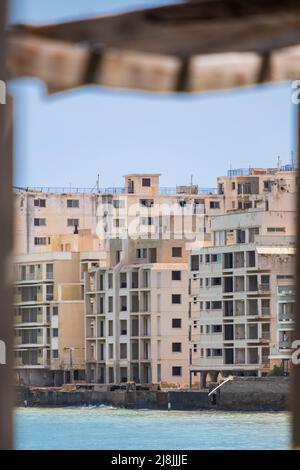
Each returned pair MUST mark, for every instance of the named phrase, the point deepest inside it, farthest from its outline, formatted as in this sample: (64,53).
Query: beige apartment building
(80,231)
(108,280)
(242,285)
(136,307)
(49,311)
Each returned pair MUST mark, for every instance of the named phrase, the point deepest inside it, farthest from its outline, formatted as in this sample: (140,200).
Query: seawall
(241,394)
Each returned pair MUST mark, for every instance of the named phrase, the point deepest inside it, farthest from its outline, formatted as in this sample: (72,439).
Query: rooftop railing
(112,190)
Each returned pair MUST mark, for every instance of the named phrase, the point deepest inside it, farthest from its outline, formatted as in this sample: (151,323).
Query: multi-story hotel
(241,286)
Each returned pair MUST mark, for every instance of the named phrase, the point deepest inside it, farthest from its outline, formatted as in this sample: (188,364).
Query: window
(217,352)
(119,223)
(276,229)
(141,253)
(49,292)
(240,236)
(233,185)
(123,351)
(123,303)
(176,322)
(110,351)
(216,281)
(146,182)
(119,204)
(40,240)
(176,347)
(38,222)
(40,202)
(214,258)
(110,304)
(147,221)
(54,332)
(214,205)
(194,263)
(74,203)
(147,202)
(176,371)
(253,231)
(216,328)
(55,353)
(216,305)
(176,299)
(123,327)
(110,328)
(110,280)
(123,280)
(176,275)
(49,271)
(176,252)
(55,311)
(73,222)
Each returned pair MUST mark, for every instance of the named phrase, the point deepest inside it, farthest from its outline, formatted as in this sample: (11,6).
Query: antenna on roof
(98,183)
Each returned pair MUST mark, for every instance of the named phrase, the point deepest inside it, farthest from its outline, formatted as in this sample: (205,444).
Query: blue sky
(66,139)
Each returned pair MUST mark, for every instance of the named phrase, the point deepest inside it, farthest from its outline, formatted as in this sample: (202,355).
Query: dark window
(146,182)
(40,202)
(176,252)
(176,322)
(72,202)
(176,347)
(176,371)
(55,311)
(38,222)
(194,263)
(146,202)
(214,204)
(176,299)
(55,332)
(176,275)
(40,241)
(73,222)
(55,353)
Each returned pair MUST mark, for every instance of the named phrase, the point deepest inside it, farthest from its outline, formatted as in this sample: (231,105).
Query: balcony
(285,344)
(265,311)
(264,287)
(286,317)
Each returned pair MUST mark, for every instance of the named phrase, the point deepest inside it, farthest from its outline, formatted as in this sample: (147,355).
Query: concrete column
(203,376)
(214,375)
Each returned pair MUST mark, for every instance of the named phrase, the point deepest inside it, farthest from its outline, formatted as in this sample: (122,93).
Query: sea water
(114,428)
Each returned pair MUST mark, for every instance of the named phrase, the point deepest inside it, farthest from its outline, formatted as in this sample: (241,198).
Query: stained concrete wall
(244,394)
(254,394)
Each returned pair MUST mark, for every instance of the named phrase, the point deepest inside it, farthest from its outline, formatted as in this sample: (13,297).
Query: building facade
(241,285)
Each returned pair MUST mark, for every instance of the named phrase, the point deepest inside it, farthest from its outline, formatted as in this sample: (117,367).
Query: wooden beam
(6,236)
(200,27)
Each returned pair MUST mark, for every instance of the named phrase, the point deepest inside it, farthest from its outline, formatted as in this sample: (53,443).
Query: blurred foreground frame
(194,46)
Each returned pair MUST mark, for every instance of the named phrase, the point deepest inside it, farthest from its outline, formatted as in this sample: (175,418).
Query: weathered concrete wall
(137,399)
(245,394)
(253,394)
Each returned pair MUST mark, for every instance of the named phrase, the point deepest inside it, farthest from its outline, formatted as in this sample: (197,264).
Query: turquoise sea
(112,428)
